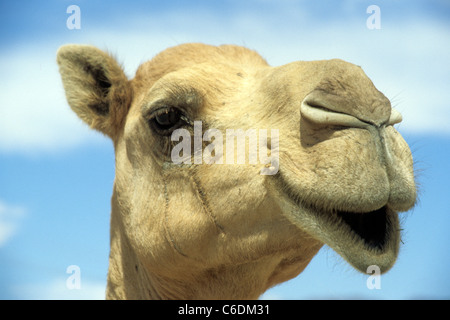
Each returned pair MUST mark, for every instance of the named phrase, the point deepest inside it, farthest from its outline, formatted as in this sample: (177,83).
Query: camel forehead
(191,54)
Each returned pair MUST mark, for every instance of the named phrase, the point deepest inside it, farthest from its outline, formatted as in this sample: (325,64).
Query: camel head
(226,227)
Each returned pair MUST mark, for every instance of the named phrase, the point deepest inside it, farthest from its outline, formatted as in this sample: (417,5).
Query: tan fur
(225,231)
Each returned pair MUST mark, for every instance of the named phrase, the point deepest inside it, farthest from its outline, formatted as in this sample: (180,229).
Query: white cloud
(34,114)
(10,217)
(408,59)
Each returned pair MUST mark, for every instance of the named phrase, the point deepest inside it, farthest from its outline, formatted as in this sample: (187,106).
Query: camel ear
(96,87)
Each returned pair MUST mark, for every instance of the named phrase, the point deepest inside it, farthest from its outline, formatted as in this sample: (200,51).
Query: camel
(226,231)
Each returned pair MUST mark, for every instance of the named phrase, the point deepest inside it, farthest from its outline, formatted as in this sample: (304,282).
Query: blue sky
(56,175)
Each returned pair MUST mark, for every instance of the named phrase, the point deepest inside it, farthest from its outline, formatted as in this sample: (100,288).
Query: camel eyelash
(167,109)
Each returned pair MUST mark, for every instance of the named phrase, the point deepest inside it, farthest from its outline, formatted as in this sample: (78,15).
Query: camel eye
(165,120)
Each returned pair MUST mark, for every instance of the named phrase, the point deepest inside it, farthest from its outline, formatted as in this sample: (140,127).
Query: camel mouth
(363,239)
(372,227)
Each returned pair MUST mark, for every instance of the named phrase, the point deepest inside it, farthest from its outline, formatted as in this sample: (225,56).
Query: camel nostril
(395,117)
(321,112)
